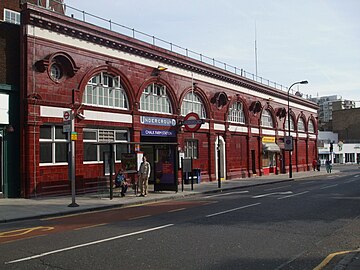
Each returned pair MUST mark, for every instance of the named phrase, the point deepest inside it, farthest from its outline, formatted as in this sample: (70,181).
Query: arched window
(301,125)
(193,103)
(155,99)
(311,128)
(104,90)
(236,113)
(266,119)
(292,125)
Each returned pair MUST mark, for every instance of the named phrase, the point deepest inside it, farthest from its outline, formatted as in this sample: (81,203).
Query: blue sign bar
(157,121)
(158,133)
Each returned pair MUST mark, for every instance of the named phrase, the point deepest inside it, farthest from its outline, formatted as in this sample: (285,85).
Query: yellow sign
(268,139)
(74,136)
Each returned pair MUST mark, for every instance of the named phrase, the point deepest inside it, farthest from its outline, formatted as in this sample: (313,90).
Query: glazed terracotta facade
(84,51)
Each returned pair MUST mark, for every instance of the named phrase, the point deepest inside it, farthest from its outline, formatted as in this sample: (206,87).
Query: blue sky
(314,40)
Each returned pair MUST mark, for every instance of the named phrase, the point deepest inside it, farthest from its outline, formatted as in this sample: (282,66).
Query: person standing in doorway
(144,174)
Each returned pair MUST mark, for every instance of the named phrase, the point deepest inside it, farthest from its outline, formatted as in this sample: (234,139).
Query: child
(120,181)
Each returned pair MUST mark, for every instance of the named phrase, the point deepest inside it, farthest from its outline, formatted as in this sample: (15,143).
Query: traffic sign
(288,143)
(192,122)
(67,128)
(67,116)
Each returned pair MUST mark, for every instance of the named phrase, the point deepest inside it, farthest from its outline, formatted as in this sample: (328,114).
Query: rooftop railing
(150,39)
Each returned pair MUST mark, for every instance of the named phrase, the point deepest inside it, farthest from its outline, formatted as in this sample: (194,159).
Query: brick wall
(9,54)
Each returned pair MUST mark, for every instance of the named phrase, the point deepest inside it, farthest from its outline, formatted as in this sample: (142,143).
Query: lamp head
(161,68)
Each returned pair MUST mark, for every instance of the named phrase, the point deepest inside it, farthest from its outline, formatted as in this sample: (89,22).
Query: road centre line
(350,181)
(226,194)
(232,210)
(88,244)
(176,210)
(270,189)
(139,217)
(270,194)
(329,186)
(293,195)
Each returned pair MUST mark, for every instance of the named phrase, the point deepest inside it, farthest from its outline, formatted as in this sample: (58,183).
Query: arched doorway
(220,158)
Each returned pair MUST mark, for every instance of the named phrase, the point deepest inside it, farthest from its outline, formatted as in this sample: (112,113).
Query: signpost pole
(111,170)
(192,175)
(219,163)
(182,174)
(72,161)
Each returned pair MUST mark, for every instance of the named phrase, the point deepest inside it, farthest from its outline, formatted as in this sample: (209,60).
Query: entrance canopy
(271,147)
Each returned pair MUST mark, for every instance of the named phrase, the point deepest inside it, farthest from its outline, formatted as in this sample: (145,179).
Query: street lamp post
(288,116)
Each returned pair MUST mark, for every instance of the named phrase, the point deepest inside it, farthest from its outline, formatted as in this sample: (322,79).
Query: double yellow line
(331,256)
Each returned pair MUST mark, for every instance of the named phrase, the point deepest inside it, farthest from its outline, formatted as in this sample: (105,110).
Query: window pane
(121,136)
(45,152)
(89,135)
(90,152)
(45,132)
(120,148)
(103,148)
(61,152)
(59,133)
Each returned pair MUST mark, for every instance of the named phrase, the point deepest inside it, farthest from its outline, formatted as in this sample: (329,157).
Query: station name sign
(158,121)
(158,133)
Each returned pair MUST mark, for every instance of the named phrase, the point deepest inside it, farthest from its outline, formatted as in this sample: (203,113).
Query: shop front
(270,155)
(158,142)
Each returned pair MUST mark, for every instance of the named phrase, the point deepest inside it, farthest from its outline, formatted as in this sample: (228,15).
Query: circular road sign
(66,116)
(192,122)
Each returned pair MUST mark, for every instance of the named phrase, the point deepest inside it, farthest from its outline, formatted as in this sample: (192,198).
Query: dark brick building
(346,123)
(136,94)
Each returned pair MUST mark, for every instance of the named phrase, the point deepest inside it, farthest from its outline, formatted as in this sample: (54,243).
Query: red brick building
(117,93)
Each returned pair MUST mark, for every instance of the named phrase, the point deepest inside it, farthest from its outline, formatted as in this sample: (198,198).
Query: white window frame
(98,139)
(193,103)
(236,113)
(311,127)
(292,124)
(155,99)
(11,16)
(104,90)
(53,140)
(266,119)
(301,125)
(191,149)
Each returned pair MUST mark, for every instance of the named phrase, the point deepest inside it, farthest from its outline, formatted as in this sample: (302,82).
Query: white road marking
(88,244)
(270,194)
(293,195)
(226,194)
(232,210)
(329,186)
(350,181)
(356,176)
(269,189)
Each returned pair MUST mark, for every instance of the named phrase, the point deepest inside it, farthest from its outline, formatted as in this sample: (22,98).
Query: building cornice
(54,22)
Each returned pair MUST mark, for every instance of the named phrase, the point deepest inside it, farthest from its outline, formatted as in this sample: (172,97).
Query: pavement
(24,209)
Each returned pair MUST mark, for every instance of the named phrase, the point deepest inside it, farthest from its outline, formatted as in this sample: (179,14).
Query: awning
(271,147)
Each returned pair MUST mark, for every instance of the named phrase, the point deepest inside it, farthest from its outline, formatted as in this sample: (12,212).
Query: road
(290,225)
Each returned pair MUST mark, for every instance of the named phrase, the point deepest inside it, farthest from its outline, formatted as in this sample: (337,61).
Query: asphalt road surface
(290,225)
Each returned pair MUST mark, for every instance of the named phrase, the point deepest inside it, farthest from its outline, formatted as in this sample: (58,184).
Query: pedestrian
(328,166)
(120,182)
(314,164)
(144,174)
(318,164)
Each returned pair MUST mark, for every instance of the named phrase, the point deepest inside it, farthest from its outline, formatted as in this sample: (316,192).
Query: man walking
(144,174)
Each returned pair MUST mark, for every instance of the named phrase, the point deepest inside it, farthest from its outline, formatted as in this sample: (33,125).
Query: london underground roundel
(192,122)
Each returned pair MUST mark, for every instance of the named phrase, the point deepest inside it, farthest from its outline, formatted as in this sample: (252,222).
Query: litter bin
(196,174)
